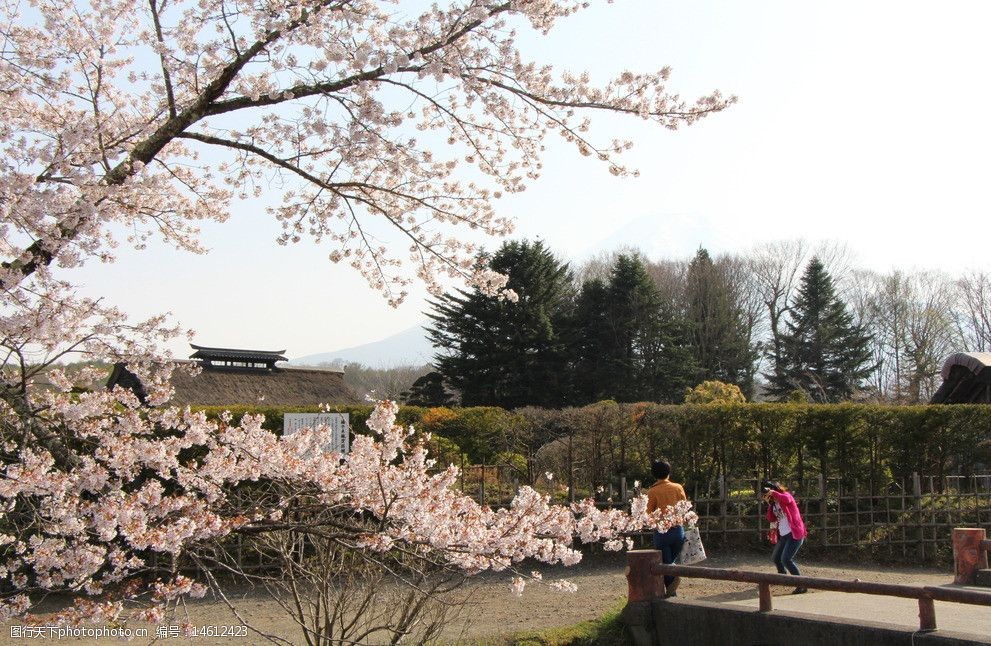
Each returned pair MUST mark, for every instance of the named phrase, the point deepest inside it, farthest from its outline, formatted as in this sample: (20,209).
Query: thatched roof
(277,387)
(966,379)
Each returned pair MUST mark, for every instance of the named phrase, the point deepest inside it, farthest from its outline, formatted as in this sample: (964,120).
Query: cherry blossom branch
(336,187)
(330,87)
(39,254)
(166,76)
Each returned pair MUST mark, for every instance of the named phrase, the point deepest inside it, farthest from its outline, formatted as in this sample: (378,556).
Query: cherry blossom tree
(344,100)
(121,121)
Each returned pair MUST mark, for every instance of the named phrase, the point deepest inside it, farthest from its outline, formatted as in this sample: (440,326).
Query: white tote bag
(692,551)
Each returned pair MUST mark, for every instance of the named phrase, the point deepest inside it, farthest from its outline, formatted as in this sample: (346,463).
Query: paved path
(956,617)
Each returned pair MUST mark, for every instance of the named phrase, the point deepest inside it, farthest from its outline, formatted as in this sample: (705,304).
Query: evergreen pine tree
(589,335)
(500,353)
(824,353)
(722,345)
(429,390)
(628,343)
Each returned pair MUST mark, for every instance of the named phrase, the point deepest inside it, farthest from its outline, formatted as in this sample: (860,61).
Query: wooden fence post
(920,528)
(642,583)
(644,587)
(927,615)
(722,505)
(969,555)
(856,510)
(764,594)
(823,509)
(571,468)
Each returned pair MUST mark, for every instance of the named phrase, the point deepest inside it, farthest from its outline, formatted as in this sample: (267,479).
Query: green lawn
(607,630)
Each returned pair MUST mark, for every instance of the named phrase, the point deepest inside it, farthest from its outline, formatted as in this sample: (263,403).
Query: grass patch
(607,630)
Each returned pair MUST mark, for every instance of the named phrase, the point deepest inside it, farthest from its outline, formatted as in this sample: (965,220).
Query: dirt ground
(601,584)
(492,613)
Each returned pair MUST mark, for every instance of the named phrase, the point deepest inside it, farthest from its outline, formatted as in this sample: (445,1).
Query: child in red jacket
(787,527)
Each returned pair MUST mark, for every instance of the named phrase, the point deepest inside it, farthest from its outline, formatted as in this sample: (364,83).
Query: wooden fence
(645,576)
(902,520)
(912,519)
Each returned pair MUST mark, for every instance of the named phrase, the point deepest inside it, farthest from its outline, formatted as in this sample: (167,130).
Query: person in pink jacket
(787,528)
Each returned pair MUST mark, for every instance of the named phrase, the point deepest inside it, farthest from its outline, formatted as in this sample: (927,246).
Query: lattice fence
(911,519)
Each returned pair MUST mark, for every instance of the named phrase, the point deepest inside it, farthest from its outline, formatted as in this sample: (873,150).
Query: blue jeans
(784,553)
(670,544)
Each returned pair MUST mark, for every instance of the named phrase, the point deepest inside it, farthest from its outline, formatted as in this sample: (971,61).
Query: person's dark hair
(767,485)
(661,469)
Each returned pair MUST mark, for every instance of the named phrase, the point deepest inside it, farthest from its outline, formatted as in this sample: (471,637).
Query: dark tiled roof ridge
(205,347)
(265,356)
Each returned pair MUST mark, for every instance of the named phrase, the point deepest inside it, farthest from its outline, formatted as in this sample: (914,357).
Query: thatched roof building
(231,377)
(966,379)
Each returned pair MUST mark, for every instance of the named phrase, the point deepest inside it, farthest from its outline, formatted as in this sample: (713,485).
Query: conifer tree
(630,345)
(720,336)
(429,390)
(503,353)
(824,353)
(589,334)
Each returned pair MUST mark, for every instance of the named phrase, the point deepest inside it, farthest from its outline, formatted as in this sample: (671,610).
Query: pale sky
(859,122)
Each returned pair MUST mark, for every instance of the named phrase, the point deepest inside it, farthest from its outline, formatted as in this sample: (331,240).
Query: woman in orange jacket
(662,495)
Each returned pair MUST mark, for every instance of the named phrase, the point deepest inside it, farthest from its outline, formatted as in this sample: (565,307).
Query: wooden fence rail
(646,583)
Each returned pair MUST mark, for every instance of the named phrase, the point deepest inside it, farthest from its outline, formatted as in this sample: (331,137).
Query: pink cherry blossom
(92,548)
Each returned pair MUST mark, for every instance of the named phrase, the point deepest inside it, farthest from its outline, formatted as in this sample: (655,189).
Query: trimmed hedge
(786,441)
(479,432)
(850,441)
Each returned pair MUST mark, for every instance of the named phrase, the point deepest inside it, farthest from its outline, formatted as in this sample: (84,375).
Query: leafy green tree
(720,334)
(715,392)
(823,352)
(629,345)
(503,353)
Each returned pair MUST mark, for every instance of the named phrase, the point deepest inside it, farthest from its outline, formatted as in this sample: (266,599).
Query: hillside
(409,347)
